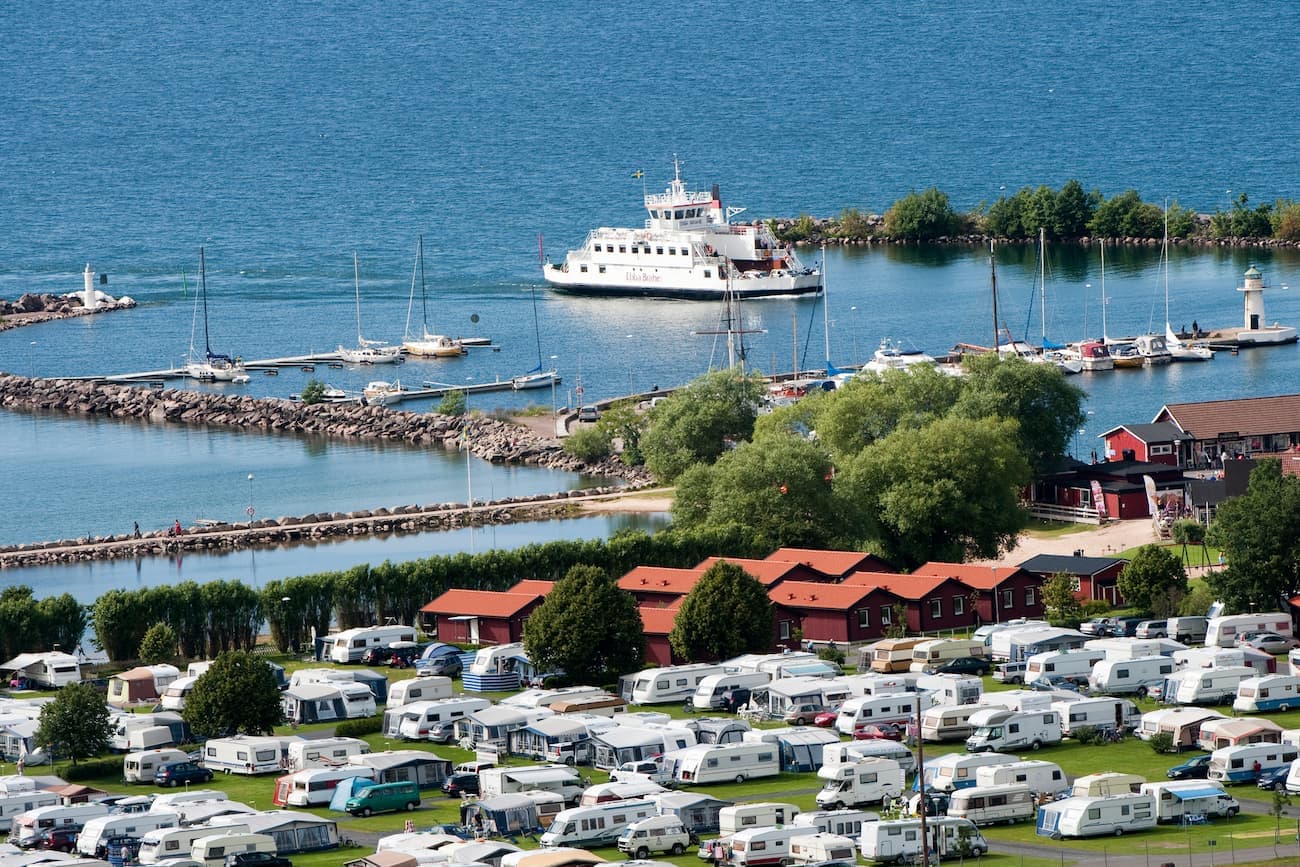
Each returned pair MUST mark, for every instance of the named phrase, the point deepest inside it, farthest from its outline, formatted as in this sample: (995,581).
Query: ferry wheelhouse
(687,249)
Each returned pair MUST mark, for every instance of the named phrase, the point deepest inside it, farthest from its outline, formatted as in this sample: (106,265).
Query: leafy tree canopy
(75,725)
(870,408)
(587,627)
(727,614)
(1257,533)
(238,694)
(696,423)
(158,645)
(922,216)
(1059,599)
(1154,580)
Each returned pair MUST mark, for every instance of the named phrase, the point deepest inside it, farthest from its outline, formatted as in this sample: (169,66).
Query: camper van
(1179,798)
(315,786)
(21,802)
(763,847)
(596,826)
(822,847)
(242,754)
(1187,630)
(1130,676)
(423,720)
(140,767)
(957,770)
(167,844)
(899,840)
(1205,685)
(325,752)
(214,849)
(1103,713)
(1244,763)
(1061,663)
(896,708)
(893,654)
(1224,631)
(428,688)
(853,784)
(1276,692)
(929,655)
(560,779)
(50,670)
(845,823)
(1039,777)
(951,689)
(654,835)
(949,723)
(1095,817)
(1103,784)
(351,644)
(988,805)
(710,694)
(674,683)
(93,839)
(1011,730)
(26,826)
(716,763)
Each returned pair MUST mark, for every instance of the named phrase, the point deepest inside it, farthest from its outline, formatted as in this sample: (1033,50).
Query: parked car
(1195,768)
(589,413)
(1269,642)
(1074,682)
(257,859)
(825,719)
(1152,629)
(964,665)
(1274,779)
(1099,626)
(1010,672)
(175,774)
(460,783)
(57,839)
(802,714)
(878,731)
(1126,627)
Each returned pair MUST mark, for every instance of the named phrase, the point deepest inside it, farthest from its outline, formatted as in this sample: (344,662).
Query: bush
(452,403)
(93,768)
(1088,736)
(1096,608)
(832,653)
(1162,742)
(588,444)
(356,728)
(313,392)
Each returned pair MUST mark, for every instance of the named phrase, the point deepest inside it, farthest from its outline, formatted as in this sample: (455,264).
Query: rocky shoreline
(35,308)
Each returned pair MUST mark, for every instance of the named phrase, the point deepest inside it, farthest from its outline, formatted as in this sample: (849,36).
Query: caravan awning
(1190,794)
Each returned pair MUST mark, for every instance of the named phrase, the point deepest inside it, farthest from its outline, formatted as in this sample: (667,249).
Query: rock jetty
(34,308)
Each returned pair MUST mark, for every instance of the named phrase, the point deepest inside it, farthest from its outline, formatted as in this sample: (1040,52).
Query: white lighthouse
(89,298)
(1255,330)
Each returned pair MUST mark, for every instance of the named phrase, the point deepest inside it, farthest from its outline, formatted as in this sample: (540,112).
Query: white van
(1274,692)
(673,683)
(717,763)
(1040,777)
(948,723)
(1125,676)
(900,839)
(1205,685)
(22,802)
(351,644)
(93,839)
(820,847)
(899,707)
(315,787)
(929,655)
(142,766)
(1095,817)
(654,835)
(212,850)
(763,847)
(1061,663)
(1224,631)
(988,805)
(760,814)
(1009,730)
(1102,713)
(428,688)
(27,825)
(957,770)
(168,844)
(1244,763)
(325,752)
(423,720)
(710,691)
(1188,630)
(242,754)
(596,826)
(1107,783)
(1178,798)
(845,823)
(852,784)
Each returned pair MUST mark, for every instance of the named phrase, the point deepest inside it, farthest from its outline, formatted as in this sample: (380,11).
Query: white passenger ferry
(687,249)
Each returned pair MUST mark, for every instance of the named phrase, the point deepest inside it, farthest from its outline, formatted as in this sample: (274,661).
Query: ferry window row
(679,214)
(622,248)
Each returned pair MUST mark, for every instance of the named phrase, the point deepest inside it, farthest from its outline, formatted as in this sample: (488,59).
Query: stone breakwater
(33,309)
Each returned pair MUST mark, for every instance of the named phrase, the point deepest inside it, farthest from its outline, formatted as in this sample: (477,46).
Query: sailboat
(1067,360)
(1178,350)
(213,367)
(427,345)
(1123,354)
(536,378)
(367,351)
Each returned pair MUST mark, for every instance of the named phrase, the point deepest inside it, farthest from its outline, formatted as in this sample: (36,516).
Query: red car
(878,731)
(825,719)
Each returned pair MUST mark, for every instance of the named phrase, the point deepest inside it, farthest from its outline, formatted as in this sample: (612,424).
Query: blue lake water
(286,138)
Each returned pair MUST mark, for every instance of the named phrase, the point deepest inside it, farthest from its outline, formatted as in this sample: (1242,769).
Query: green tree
(949,491)
(313,392)
(1243,221)
(922,216)
(1257,533)
(1073,211)
(238,694)
(453,403)
(589,444)
(1197,602)
(158,645)
(727,614)
(870,408)
(854,225)
(1285,220)
(1182,221)
(75,725)
(1154,580)
(587,627)
(696,423)
(622,422)
(1059,599)
(1126,215)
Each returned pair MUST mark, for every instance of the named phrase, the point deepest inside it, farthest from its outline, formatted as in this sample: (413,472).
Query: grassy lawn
(1054,529)
(1163,841)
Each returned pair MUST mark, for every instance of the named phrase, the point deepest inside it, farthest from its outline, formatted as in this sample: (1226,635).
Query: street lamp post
(554,371)
(853,332)
(250,510)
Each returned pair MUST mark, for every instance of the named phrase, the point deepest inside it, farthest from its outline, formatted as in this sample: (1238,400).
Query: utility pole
(920,783)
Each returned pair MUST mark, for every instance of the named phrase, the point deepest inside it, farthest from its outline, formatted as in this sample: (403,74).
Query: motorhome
(1061,663)
(1244,763)
(929,655)
(428,688)
(899,840)
(27,825)
(1011,730)
(846,823)
(951,689)
(140,767)
(214,849)
(1177,799)
(561,779)
(716,763)
(1183,724)
(1105,783)
(243,754)
(763,847)
(1040,777)
(852,784)
(1103,713)
(654,835)
(1224,631)
(93,839)
(167,844)
(821,847)
(670,684)
(595,826)
(1205,685)
(709,694)
(314,787)
(1095,817)
(1130,676)
(759,814)
(988,805)
(332,752)
(45,670)
(422,720)
(949,723)
(1187,630)
(1275,692)
(11,804)
(895,708)
(351,644)
(957,770)
(893,654)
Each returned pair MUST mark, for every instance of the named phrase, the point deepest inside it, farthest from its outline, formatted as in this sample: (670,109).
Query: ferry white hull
(684,284)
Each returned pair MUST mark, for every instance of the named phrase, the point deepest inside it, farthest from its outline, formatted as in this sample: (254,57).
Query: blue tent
(346,789)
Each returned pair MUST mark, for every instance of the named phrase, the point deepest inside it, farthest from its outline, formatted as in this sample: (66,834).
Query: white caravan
(1274,692)
(595,826)
(1040,777)
(50,670)
(763,847)
(1107,783)
(427,688)
(1224,631)
(21,802)
(709,694)
(716,763)
(315,787)
(951,689)
(841,752)
(674,683)
(168,844)
(760,814)
(846,823)
(1245,763)
(853,784)
(424,720)
(173,697)
(1010,730)
(331,752)
(988,805)
(1130,676)
(899,707)
(899,840)
(1095,817)
(949,723)
(1176,799)
(1205,685)
(560,779)
(1103,713)
(243,754)
(214,849)
(351,644)
(26,826)
(141,767)
(93,839)
(929,655)
(1061,663)
(957,770)
(822,847)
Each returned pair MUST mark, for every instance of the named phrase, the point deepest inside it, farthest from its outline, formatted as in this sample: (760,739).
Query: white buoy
(89,298)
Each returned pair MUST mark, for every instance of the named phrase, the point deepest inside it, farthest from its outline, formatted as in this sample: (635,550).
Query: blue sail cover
(1049,344)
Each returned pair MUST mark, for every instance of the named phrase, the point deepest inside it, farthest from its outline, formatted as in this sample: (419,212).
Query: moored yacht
(1094,356)
(1153,350)
(688,249)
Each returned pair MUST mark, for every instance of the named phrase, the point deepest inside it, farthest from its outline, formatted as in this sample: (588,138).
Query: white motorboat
(1153,350)
(382,393)
(1094,356)
(212,366)
(1067,360)
(367,351)
(427,345)
(891,355)
(689,249)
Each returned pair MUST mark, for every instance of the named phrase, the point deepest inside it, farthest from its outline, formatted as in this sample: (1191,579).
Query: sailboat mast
(1104,301)
(1042,280)
(993,279)
(826,311)
(1165,255)
(536,330)
(356,284)
(203,280)
(424,304)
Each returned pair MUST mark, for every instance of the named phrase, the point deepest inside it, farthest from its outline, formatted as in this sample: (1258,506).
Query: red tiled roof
(533,585)
(659,621)
(660,579)
(982,577)
(814,594)
(484,603)
(910,587)
(1248,416)
(835,563)
(766,571)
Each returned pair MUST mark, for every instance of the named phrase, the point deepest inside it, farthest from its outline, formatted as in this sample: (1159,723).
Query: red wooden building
(1120,485)
(932,602)
(659,585)
(657,623)
(1156,443)
(1249,427)
(480,616)
(835,564)
(769,572)
(1094,577)
(829,612)
(1005,592)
